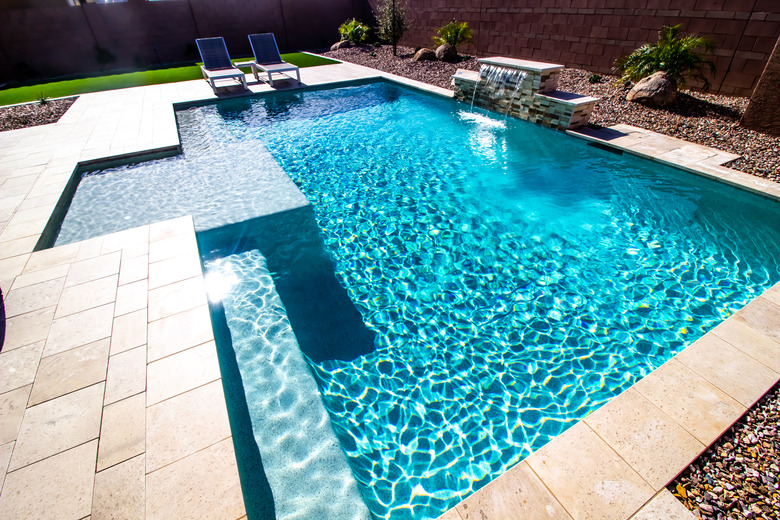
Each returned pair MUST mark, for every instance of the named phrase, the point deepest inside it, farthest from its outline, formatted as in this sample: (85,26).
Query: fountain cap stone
(515,63)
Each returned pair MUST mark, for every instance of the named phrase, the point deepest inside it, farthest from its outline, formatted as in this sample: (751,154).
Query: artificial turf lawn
(73,87)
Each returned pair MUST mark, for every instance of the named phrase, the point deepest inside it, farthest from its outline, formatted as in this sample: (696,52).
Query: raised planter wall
(591,34)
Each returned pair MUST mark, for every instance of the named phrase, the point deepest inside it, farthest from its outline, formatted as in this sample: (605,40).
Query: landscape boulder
(446,52)
(343,44)
(657,90)
(424,55)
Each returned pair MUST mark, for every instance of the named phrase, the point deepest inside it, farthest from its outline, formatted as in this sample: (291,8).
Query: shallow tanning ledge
(523,89)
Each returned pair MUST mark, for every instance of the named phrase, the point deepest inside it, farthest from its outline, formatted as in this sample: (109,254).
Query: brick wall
(44,40)
(591,34)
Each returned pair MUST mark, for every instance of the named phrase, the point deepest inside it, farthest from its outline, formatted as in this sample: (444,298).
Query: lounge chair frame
(268,59)
(216,63)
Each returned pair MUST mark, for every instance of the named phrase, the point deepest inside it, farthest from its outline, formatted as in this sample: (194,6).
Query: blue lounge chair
(268,59)
(216,62)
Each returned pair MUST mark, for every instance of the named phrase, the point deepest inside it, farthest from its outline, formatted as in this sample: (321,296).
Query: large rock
(424,55)
(446,52)
(657,90)
(340,45)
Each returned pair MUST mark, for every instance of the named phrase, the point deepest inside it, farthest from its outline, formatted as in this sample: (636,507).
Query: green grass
(73,87)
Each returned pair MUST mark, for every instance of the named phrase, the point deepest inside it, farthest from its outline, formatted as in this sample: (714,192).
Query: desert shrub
(453,33)
(674,54)
(354,31)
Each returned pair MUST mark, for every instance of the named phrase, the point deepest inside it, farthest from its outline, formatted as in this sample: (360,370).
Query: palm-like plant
(353,31)
(673,54)
(453,33)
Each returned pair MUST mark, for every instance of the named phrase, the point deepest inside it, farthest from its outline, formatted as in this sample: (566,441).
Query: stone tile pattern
(75,413)
(615,463)
(521,100)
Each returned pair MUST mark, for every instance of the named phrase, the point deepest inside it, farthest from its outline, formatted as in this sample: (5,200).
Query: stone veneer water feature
(525,90)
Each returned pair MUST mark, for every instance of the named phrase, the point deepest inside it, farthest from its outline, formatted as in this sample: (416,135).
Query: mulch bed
(33,114)
(705,119)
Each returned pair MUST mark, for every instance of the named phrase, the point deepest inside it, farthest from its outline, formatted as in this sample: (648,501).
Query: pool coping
(618,482)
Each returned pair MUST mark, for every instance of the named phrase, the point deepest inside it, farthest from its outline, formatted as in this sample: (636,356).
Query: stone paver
(79,329)
(181,372)
(71,370)
(123,431)
(18,366)
(664,506)
(126,374)
(58,425)
(120,491)
(67,493)
(12,406)
(25,329)
(213,468)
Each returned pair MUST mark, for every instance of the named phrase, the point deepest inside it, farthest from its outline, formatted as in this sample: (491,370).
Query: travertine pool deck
(111,403)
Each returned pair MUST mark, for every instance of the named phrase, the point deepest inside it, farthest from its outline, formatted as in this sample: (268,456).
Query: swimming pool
(466,286)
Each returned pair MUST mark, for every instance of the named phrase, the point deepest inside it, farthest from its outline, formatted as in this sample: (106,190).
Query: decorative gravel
(737,477)
(706,119)
(33,114)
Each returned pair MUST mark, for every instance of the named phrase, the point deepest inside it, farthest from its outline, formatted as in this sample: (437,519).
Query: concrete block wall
(592,34)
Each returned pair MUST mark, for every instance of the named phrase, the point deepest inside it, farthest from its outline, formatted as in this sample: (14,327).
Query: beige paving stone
(176,297)
(18,246)
(131,297)
(93,269)
(120,491)
(180,245)
(67,494)
(25,329)
(170,228)
(181,372)
(123,432)
(18,366)
(214,469)
(728,368)
(12,267)
(773,294)
(518,493)
(126,374)
(179,332)
(5,457)
(652,443)
(12,406)
(748,340)
(89,249)
(71,370)
(762,315)
(33,297)
(129,331)
(695,403)
(79,329)
(132,242)
(41,275)
(588,478)
(185,424)
(25,229)
(58,425)
(87,295)
(173,270)
(664,506)
(133,269)
(450,514)
(52,257)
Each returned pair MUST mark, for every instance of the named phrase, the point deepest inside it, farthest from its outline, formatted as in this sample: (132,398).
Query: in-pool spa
(463,287)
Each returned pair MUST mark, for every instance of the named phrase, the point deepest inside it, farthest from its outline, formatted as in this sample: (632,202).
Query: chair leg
(298,73)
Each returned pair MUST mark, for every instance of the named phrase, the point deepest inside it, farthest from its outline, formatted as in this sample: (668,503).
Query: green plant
(594,78)
(43,99)
(353,31)
(392,22)
(453,33)
(676,55)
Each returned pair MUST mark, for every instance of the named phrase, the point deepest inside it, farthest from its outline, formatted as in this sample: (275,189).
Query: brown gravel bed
(33,114)
(706,119)
(737,477)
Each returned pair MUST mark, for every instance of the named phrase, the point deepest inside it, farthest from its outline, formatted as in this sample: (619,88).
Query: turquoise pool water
(464,286)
